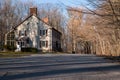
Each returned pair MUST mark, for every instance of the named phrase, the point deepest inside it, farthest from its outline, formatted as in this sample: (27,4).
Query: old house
(35,32)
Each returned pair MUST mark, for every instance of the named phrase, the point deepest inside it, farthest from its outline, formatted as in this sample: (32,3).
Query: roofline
(57,30)
(28,18)
(9,31)
(22,21)
(39,19)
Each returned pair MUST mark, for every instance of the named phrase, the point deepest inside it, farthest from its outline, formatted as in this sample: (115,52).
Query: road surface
(59,67)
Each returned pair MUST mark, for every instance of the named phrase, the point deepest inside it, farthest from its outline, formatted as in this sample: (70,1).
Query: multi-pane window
(11,39)
(21,43)
(43,32)
(43,44)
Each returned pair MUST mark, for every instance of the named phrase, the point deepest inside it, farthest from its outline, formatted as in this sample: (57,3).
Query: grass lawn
(14,54)
(20,54)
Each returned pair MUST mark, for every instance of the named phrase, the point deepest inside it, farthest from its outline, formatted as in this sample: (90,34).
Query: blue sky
(74,3)
(63,4)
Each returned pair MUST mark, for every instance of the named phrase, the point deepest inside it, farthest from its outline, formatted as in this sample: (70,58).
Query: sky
(73,3)
(63,4)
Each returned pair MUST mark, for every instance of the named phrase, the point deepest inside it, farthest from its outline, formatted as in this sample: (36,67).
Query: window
(28,41)
(43,32)
(23,33)
(21,43)
(28,23)
(40,32)
(43,44)
(28,26)
(11,39)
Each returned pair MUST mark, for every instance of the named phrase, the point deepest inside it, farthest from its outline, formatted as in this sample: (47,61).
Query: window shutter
(46,32)
(19,33)
(43,32)
(46,43)
(40,44)
(25,33)
(40,32)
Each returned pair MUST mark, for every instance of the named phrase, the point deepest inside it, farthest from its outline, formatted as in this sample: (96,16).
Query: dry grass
(14,54)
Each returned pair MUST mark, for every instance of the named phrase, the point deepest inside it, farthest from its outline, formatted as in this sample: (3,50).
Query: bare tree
(74,25)
(10,15)
(54,15)
(103,26)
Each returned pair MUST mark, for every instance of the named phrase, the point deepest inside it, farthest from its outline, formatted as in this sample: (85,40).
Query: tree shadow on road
(60,71)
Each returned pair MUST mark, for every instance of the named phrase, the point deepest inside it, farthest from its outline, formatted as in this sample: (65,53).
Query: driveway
(59,67)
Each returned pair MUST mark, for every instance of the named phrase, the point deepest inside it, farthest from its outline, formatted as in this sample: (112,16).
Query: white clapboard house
(34,32)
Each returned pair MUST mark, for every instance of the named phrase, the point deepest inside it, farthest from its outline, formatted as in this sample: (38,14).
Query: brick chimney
(33,11)
(45,19)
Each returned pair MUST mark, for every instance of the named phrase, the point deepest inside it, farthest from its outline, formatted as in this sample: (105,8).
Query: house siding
(46,37)
(56,40)
(30,29)
(31,26)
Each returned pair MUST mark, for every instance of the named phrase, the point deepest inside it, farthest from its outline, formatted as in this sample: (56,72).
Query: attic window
(22,33)
(28,23)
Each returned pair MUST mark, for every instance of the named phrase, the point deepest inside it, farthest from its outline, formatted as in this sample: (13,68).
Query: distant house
(34,32)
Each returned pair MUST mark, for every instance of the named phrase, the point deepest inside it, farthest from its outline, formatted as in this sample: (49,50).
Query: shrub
(73,52)
(9,48)
(1,47)
(29,49)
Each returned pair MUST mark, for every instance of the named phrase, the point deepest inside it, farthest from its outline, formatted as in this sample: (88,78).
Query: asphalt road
(59,67)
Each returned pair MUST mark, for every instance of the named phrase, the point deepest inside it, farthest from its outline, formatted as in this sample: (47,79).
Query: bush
(73,52)
(29,49)
(1,47)
(9,48)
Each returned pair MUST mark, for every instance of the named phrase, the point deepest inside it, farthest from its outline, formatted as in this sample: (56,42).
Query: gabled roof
(22,21)
(27,19)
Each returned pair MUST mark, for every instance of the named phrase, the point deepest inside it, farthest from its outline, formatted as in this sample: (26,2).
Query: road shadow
(54,66)
(60,71)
